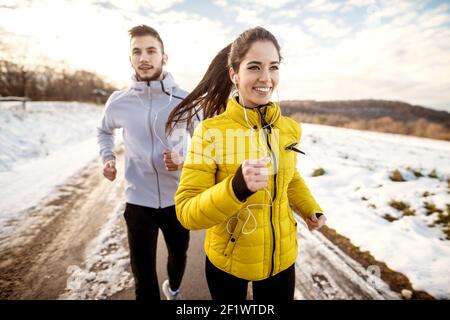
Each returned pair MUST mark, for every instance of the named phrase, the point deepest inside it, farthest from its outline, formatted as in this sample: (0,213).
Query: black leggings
(143,224)
(226,287)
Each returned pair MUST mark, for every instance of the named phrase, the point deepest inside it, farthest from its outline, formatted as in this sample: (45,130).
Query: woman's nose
(264,76)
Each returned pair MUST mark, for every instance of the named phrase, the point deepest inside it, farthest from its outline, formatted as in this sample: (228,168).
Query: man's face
(147,58)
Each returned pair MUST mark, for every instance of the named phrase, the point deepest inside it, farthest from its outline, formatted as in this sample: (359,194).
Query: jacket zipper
(151,135)
(264,126)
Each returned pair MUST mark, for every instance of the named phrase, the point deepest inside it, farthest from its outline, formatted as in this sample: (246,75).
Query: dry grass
(433,174)
(431,208)
(396,176)
(402,206)
(444,220)
(416,173)
(427,194)
(318,172)
(389,218)
(419,128)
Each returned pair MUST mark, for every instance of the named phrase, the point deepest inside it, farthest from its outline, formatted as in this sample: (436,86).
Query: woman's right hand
(316,221)
(255,174)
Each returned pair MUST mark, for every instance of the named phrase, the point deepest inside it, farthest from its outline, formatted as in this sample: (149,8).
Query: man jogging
(151,173)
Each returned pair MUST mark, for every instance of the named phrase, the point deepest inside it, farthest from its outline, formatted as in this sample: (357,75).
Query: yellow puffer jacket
(257,238)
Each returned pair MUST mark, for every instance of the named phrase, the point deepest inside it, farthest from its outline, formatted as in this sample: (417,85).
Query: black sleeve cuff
(239,186)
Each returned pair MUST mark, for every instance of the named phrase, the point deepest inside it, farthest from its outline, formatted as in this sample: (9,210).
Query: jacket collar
(236,112)
(166,85)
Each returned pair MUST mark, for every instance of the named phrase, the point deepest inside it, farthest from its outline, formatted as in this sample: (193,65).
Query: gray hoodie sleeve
(105,133)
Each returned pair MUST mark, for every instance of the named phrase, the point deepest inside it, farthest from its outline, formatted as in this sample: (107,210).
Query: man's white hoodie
(142,111)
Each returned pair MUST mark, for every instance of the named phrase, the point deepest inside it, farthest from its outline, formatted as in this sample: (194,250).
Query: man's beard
(155,76)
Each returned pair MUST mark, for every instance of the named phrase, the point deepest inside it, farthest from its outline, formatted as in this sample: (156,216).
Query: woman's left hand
(315,223)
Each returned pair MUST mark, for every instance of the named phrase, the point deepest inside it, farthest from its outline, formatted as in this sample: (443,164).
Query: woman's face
(258,74)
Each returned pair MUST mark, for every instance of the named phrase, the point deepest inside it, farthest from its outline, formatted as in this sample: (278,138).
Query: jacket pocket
(293,147)
(233,238)
(290,214)
(291,217)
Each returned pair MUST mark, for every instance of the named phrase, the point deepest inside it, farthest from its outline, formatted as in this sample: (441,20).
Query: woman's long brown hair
(212,93)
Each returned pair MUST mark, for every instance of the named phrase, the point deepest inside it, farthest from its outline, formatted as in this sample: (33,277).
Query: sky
(332,50)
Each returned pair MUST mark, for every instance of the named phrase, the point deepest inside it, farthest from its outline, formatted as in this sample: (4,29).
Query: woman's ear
(234,77)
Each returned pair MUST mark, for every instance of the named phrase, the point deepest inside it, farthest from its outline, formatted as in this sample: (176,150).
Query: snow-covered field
(43,146)
(356,193)
(40,148)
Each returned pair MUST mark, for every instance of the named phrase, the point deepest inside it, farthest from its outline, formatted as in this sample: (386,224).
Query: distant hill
(374,115)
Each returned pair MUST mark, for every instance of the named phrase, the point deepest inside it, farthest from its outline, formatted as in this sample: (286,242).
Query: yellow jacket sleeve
(299,195)
(201,202)
(301,198)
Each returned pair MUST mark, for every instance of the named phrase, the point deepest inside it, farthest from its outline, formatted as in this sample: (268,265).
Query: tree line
(44,82)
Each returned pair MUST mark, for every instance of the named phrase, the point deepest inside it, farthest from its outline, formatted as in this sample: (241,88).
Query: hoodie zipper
(153,143)
(265,126)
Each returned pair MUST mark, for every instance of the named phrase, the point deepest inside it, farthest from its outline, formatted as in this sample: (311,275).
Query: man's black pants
(143,224)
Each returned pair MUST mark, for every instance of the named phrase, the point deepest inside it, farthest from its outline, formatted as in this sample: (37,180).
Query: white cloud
(351,4)
(8,3)
(435,21)
(389,9)
(152,5)
(267,4)
(293,40)
(325,29)
(360,3)
(288,13)
(254,12)
(249,17)
(322,6)
(436,17)
(221,3)
(405,19)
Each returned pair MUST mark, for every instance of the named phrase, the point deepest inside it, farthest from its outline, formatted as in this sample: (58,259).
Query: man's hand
(109,170)
(255,174)
(172,160)
(315,223)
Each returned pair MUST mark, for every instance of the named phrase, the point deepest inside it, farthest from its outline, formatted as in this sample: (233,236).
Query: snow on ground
(44,145)
(40,147)
(104,271)
(356,193)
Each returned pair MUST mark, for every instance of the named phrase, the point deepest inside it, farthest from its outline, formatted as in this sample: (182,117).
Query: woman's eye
(253,68)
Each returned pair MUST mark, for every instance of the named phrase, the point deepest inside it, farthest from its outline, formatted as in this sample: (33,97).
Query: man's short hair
(144,30)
